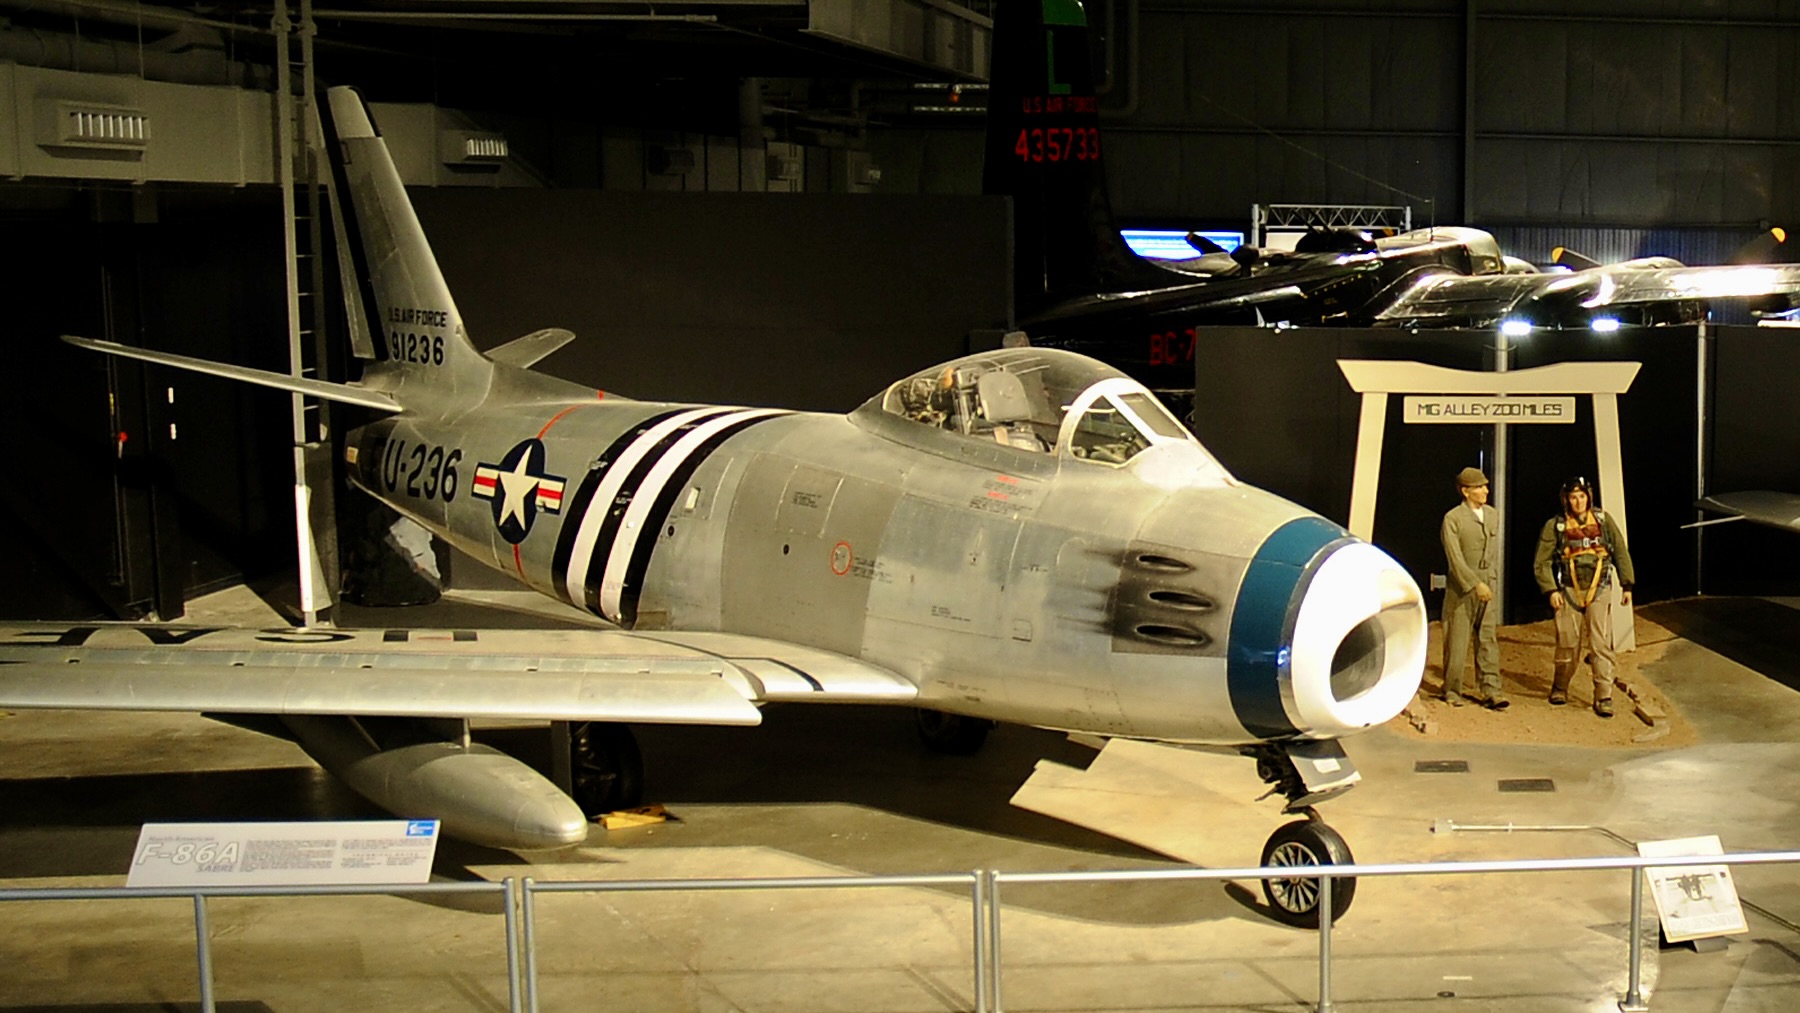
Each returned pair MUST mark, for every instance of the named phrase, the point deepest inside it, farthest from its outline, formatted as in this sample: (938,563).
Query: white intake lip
(1358,650)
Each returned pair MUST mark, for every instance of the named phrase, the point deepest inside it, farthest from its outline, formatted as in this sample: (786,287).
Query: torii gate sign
(1375,379)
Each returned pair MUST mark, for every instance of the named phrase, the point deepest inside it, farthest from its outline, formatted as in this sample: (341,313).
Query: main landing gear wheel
(1295,900)
(606,769)
(952,733)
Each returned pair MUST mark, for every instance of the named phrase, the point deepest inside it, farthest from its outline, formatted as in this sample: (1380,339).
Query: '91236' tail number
(424,349)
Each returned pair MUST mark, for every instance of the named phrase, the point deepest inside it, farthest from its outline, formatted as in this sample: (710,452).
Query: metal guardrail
(519,900)
(1631,1002)
(977,881)
(507,888)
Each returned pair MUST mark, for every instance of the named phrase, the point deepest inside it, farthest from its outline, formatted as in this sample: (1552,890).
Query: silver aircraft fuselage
(1065,579)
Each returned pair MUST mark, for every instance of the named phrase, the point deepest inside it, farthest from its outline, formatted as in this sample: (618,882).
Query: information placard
(345,852)
(1693,901)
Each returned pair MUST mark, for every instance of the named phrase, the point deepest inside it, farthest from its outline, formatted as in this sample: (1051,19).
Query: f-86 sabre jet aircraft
(1023,535)
(1078,286)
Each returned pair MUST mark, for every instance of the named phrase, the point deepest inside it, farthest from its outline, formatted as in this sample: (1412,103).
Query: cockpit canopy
(1040,400)
(1484,250)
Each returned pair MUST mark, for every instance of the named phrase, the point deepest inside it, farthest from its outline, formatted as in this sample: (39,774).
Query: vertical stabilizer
(1043,151)
(393,288)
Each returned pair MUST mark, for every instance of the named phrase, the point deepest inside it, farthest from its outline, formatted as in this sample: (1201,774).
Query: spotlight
(1515,328)
(1604,325)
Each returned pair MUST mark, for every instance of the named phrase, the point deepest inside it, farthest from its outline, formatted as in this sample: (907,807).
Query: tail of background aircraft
(401,315)
(1043,151)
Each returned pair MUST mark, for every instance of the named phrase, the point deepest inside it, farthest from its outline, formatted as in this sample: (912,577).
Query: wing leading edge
(1457,300)
(565,675)
(1760,506)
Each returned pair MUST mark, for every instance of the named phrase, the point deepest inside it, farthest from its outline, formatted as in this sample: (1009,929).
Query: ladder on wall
(297,164)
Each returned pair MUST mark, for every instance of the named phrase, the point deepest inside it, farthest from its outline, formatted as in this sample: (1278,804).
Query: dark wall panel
(1754,444)
(814,301)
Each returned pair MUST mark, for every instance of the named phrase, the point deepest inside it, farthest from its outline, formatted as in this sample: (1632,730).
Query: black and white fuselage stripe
(639,523)
(600,505)
(611,461)
(618,516)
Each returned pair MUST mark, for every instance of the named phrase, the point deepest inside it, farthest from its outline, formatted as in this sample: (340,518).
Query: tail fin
(1043,151)
(401,314)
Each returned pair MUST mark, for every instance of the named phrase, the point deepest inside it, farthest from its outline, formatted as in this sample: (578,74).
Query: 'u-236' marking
(426,471)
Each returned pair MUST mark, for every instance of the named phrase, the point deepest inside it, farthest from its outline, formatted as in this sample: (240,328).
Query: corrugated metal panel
(1636,79)
(1607,245)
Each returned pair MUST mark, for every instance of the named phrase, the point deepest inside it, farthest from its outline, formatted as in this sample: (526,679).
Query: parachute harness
(1584,538)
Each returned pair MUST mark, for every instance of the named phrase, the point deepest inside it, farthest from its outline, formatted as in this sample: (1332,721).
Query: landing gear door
(1324,768)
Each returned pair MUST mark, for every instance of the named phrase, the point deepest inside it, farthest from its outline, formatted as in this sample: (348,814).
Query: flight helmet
(1581,483)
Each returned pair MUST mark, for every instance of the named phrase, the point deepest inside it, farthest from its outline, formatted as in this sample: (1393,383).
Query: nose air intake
(1328,636)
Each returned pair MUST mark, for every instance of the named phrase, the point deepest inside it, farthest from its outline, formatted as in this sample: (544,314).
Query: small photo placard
(1693,901)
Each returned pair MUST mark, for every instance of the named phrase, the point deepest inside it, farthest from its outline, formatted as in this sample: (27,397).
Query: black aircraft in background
(1078,286)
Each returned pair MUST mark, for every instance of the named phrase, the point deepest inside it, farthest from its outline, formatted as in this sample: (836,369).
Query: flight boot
(1559,683)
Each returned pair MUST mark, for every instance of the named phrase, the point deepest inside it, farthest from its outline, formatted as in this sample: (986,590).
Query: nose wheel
(952,734)
(1294,900)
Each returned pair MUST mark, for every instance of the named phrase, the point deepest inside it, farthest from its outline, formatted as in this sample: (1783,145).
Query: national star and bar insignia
(518,487)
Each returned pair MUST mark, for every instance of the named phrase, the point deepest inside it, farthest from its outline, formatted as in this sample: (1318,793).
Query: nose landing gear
(1305,773)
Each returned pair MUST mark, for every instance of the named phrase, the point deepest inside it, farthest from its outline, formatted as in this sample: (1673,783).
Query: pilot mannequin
(1470,533)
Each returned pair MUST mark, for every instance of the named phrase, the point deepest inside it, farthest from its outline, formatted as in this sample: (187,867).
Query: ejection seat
(1005,406)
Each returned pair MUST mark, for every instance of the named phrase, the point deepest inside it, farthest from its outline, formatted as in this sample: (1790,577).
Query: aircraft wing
(1452,298)
(1775,509)
(572,675)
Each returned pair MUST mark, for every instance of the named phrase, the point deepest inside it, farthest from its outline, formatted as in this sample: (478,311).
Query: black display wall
(1753,443)
(813,301)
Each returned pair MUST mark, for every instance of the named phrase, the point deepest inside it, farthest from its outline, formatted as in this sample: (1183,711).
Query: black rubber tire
(953,734)
(605,766)
(1296,901)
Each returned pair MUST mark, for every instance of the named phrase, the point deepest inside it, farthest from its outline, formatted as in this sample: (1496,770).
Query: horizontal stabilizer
(340,392)
(527,351)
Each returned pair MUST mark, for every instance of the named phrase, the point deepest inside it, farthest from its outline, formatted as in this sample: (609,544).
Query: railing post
(995,1006)
(528,913)
(507,907)
(203,947)
(1325,887)
(1634,998)
(978,901)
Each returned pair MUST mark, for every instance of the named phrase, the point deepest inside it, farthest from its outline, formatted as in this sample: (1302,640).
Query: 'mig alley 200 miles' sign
(1454,408)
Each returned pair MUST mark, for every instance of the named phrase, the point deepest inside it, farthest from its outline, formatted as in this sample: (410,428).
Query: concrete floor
(833,791)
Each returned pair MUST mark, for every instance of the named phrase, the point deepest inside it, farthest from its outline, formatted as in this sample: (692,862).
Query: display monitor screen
(1172,244)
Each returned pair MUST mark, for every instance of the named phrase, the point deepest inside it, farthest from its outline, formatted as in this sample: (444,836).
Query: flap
(571,675)
(574,675)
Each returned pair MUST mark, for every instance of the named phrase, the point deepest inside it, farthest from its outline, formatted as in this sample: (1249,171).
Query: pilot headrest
(1002,397)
